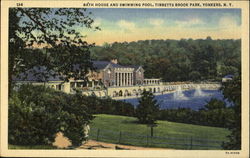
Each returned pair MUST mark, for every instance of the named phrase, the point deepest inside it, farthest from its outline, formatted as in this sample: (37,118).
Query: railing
(169,141)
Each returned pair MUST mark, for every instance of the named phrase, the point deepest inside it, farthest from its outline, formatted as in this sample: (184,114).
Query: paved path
(63,142)
(96,145)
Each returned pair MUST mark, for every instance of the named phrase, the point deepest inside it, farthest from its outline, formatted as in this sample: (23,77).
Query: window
(109,72)
(58,87)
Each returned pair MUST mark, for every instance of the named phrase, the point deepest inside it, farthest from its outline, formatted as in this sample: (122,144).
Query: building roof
(38,74)
(41,74)
(103,64)
(136,67)
(228,76)
(100,64)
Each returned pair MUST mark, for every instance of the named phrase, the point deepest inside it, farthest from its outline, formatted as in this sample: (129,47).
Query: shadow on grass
(39,147)
(132,122)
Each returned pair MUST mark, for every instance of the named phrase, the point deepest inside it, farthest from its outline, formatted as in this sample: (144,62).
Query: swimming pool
(193,99)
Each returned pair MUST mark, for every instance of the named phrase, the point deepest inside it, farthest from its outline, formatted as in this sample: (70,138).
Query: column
(132,78)
(115,79)
(127,79)
(123,79)
(120,79)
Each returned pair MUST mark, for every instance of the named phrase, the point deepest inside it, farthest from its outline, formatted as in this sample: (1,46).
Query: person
(86,132)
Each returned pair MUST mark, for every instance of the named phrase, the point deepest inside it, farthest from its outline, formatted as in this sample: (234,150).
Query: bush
(215,113)
(109,106)
(33,116)
(76,117)
(37,113)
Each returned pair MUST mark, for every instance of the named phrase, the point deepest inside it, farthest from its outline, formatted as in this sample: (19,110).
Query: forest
(177,60)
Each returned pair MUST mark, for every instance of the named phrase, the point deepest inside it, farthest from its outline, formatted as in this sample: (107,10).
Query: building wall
(139,76)
(67,87)
(95,75)
(57,85)
(108,78)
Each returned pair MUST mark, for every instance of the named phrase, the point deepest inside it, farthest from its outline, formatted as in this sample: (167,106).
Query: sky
(124,24)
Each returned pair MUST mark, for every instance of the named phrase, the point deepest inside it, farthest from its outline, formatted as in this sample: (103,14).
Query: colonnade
(124,78)
(151,81)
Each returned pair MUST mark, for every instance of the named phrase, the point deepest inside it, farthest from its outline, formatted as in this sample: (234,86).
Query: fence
(169,141)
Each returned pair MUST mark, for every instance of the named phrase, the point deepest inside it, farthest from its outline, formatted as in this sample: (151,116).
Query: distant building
(113,74)
(39,75)
(106,74)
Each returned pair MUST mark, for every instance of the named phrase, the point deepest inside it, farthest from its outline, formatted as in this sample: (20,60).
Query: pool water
(193,99)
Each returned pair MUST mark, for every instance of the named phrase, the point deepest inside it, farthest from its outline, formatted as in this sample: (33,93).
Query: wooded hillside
(177,60)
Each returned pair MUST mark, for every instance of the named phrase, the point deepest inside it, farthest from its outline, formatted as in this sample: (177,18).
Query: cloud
(227,21)
(190,22)
(126,25)
(156,22)
(97,22)
(124,30)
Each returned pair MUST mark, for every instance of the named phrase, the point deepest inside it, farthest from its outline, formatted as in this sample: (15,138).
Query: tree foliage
(232,91)
(177,60)
(148,109)
(57,32)
(75,117)
(215,113)
(37,113)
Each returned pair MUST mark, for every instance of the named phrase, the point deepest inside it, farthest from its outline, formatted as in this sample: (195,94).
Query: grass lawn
(31,147)
(126,130)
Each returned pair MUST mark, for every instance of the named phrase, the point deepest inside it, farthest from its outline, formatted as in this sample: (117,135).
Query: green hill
(185,59)
(126,130)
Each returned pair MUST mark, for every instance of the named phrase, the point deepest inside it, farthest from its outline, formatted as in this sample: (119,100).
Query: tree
(215,104)
(57,32)
(34,115)
(37,113)
(183,60)
(216,113)
(76,117)
(147,110)
(232,91)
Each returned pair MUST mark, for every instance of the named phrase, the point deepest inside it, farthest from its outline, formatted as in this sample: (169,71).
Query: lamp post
(152,128)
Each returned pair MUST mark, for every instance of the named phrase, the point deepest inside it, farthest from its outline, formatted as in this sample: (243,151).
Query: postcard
(124,78)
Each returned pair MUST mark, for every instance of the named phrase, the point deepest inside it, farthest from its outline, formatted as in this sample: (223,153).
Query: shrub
(75,117)
(33,116)
(37,113)
(108,106)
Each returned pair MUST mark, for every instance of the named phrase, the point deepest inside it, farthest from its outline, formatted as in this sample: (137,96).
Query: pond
(193,99)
